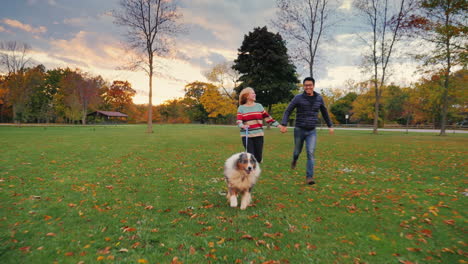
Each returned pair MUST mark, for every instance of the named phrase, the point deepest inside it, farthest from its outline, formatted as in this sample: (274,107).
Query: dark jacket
(307,111)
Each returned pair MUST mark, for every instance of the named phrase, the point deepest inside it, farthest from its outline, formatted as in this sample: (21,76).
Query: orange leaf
(247,237)
(449,222)
(25,249)
(69,254)
(426,232)
(192,251)
(128,229)
(50,234)
(414,249)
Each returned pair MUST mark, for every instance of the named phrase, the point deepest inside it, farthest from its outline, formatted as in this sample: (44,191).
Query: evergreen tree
(264,65)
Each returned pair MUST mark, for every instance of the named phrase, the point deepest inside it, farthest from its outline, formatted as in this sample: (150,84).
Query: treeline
(37,95)
(418,104)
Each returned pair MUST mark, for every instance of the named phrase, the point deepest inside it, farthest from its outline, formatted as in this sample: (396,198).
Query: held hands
(283,129)
(331,131)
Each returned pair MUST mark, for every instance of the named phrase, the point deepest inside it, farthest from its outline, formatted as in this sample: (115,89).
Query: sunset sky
(81,34)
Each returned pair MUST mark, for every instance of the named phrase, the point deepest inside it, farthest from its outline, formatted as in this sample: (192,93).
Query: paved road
(436,131)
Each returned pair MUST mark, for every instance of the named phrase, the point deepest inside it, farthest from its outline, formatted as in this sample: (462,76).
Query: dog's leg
(232,197)
(246,199)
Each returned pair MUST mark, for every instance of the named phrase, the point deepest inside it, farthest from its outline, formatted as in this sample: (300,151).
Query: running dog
(241,172)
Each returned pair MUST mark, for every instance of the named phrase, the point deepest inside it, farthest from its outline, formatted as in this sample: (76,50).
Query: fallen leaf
(449,222)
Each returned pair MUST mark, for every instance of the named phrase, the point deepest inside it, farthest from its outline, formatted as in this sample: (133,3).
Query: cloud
(89,48)
(101,54)
(28,28)
(76,21)
(346,5)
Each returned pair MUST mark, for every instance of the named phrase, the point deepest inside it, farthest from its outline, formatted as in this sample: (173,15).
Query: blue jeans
(310,138)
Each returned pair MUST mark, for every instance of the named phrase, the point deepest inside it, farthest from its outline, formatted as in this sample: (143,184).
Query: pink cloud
(28,28)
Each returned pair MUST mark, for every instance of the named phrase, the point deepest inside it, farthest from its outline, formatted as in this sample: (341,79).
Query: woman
(250,115)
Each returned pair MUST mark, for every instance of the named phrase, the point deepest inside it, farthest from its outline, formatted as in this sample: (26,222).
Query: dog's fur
(241,172)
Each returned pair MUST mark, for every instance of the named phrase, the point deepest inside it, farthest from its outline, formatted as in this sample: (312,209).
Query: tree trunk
(150,103)
(15,121)
(376,110)
(446,83)
(1,113)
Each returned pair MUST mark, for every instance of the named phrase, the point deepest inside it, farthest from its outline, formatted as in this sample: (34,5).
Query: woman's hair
(244,94)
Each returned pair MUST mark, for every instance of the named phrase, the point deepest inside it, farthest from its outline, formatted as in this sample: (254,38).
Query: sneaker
(310,181)
(293,164)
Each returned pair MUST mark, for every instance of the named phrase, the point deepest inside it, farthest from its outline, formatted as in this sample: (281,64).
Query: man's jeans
(310,137)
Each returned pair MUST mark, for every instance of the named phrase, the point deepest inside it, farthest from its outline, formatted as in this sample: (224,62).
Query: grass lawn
(114,194)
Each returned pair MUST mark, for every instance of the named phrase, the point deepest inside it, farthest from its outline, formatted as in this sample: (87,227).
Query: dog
(241,172)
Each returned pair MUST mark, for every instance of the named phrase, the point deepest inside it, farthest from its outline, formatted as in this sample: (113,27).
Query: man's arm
(288,111)
(326,117)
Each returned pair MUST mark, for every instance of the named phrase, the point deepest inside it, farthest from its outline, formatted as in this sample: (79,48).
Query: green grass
(118,195)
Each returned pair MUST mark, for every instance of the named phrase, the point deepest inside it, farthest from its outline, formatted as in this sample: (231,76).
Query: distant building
(107,117)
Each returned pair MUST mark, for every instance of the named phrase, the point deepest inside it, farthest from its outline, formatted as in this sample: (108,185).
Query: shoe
(293,164)
(310,181)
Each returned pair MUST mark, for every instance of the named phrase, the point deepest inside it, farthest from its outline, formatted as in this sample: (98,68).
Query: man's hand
(331,131)
(283,129)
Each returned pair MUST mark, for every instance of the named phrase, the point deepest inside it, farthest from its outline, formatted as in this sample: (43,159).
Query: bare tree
(385,22)
(304,23)
(150,25)
(14,56)
(224,76)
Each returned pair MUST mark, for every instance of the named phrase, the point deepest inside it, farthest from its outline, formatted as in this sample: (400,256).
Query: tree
(264,65)
(81,93)
(224,76)
(385,23)
(427,97)
(14,56)
(343,107)
(217,104)
(24,85)
(394,99)
(304,24)
(150,24)
(119,96)
(4,103)
(14,59)
(443,24)
(193,93)
(173,111)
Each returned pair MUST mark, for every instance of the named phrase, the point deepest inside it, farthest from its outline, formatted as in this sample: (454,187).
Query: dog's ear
(240,160)
(254,161)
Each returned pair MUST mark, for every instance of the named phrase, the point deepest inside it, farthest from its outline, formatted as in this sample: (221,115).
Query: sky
(82,34)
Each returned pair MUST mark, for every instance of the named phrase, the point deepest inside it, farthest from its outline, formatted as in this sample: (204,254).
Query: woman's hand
(245,126)
(283,129)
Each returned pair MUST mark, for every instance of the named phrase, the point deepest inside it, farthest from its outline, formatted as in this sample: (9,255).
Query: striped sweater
(253,116)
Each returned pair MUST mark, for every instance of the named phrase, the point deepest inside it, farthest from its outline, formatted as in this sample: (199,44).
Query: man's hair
(309,79)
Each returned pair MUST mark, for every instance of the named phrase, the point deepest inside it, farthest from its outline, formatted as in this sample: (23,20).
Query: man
(308,105)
